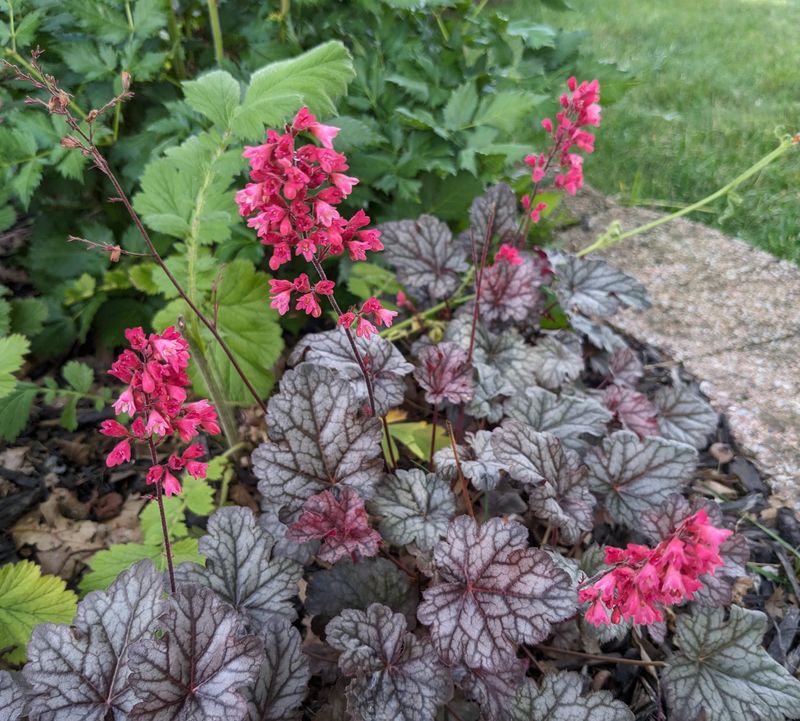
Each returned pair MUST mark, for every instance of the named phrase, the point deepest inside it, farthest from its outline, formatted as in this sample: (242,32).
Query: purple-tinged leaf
(415,507)
(624,367)
(632,409)
(598,334)
(512,293)
(242,569)
(564,417)
(195,671)
(635,475)
(494,592)
(395,674)
(282,681)
(507,352)
(561,698)
(385,364)
(494,692)
(340,523)
(724,673)
(13,698)
(684,417)
(500,203)
(444,373)
(556,479)
(318,439)
(357,585)
(80,673)
(490,392)
(429,262)
(558,359)
(596,288)
(284,547)
(717,589)
(477,459)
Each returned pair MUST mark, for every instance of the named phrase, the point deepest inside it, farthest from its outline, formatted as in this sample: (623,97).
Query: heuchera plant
(431,579)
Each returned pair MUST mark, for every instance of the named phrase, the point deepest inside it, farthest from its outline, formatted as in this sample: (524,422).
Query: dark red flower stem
(460,474)
(434,420)
(479,281)
(164,529)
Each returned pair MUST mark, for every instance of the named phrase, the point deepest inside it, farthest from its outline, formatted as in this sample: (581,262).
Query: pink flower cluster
(644,579)
(293,202)
(580,109)
(154,367)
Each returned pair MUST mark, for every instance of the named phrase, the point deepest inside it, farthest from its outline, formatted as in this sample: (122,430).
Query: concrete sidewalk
(729,312)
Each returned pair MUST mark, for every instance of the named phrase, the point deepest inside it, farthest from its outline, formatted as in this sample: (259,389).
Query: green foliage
(12,351)
(27,599)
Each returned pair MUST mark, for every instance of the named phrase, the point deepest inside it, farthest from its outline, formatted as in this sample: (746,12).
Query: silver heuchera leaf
(596,288)
(490,392)
(477,459)
(13,699)
(557,360)
(444,373)
(80,673)
(385,364)
(428,261)
(684,417)
(632,409)
(499,202)
(415,507)
(395,675)
(558,493)
(492,691)
(635,475)
(241,569)
(561,698)
(624,367)
(195,671)
(598,334)
(317,439)
(349,585)
(565,417)
(495,592)
(724,672)
(284,547)
(512,293)
(507,351)
(282,681)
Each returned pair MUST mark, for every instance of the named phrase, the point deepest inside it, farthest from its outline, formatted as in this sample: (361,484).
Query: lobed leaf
(385,364)
(241,569)
(13,698)
(13,349)
(724,672)
(625,367)
(318,439)
(415,507)
(558,360)
(444,373)
(560,698)
(596,288)
(282,681)
(428,262)
(635,475)
(598,334)
(395,675)
(194,671)
(565,417)
(490,392)
(512,293)
(684,417)
(80,673)
(632,409)
(502,201)
(214,94)
(494,592)
(557,485)
(494,692)
(478,462)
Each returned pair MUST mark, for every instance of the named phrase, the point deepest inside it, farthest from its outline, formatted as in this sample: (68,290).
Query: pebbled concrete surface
(728,312)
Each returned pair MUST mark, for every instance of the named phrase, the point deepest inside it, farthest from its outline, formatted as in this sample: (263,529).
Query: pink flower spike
(196,469)
(343,182)
(509,254)
(547,124)
(308,302)
(347,319)
(324,287)
(154,474)
(172,486)
(365,329)
(115,429)
(324,133)
(121,453)
(125,403)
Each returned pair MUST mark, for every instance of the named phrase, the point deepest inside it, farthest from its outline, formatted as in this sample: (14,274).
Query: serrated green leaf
(28,315)
(8,217)
(106,565)
(215,95)
(504,110)
(13,349)
(416,436)
(534,35)
(150,520)
(314,79)
(69,418)
(368,279)
(461,106)
(27,599)
(78,375)
(15,408)
(5,316)
(197,495)
(26,180)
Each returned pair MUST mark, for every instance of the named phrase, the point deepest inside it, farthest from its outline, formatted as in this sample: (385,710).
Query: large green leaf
(14,411)
(314,79)
(12,350)
(215,95)
(27,599)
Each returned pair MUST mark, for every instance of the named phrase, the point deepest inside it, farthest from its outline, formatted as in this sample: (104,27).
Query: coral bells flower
(154,367)
(364,327)
(644,580)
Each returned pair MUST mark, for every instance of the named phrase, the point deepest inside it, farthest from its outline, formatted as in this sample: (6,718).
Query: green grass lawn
(715,79)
